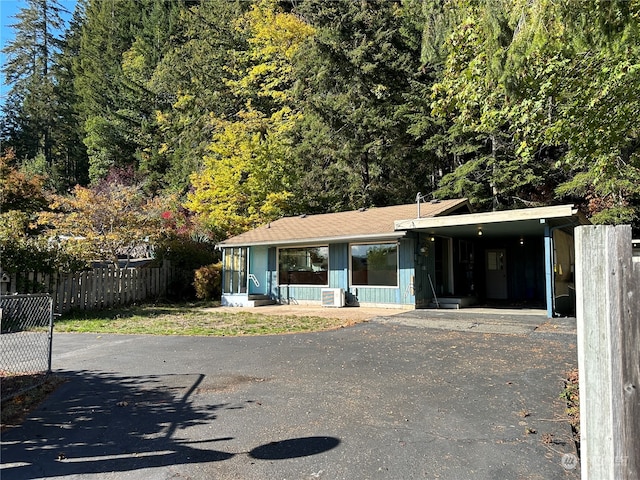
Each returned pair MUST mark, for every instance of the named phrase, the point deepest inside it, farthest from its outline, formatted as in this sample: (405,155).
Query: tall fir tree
(107,32)
(73,164)
(120,45)
(354,149)
(30,111)
(190,88)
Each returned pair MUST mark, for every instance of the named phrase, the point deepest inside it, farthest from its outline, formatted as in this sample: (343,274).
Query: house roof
(368,224)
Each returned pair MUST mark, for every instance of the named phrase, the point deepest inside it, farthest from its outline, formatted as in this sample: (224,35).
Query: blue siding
(294,294)
(407,272)
(339,266)
(339,277)
(258,266)
(404,293)
(272,273)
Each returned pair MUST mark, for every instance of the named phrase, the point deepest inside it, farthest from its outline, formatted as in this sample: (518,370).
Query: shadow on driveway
(100,422)
(379,400)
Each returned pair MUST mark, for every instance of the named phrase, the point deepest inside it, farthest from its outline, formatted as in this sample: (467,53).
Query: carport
(508,257)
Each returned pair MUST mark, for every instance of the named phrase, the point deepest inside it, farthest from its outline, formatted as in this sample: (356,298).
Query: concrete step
(454,306)
(259,296)
(454,302)
(261,303)
(259,300)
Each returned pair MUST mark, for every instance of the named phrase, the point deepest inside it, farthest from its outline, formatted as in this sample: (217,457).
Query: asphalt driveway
(379,400)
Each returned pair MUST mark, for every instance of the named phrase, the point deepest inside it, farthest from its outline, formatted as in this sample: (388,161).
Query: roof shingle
(342,225)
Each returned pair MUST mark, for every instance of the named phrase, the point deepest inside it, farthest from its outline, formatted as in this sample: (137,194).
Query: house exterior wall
(339,276)
(425,266)
(448,257)
(525,268)
(258,267)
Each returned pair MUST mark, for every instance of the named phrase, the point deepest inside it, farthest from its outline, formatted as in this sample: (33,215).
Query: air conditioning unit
(333,297)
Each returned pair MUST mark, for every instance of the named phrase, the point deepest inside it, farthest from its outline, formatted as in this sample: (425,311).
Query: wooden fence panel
(97,288)
(110,288)
(608,313)
(82,290)
(100,290)
(91,291)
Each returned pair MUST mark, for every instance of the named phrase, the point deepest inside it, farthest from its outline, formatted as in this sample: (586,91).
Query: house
(423,254)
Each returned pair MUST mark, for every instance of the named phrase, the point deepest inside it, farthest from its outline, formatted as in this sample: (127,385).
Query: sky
(8,8)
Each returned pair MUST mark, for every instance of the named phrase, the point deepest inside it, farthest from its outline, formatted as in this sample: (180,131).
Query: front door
(496,276)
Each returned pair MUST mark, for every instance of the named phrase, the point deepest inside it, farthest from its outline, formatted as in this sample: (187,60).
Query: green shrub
(207,281)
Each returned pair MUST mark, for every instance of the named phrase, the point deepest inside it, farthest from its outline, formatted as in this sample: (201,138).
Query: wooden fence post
(608,316)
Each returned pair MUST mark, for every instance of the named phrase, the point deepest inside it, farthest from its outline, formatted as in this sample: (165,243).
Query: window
(374,265)
(235,270)
(303,266)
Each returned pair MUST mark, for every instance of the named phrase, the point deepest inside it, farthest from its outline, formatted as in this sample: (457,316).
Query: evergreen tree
(120,45)
(191,87)
(31,108)
(353,75)
(107,32)
(477,99)
(69,150)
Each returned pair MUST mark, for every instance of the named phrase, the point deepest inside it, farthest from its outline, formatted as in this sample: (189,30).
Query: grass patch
(200,318)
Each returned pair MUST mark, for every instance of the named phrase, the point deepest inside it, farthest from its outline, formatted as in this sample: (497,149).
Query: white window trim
(296,285)
(375,286)
(226,272)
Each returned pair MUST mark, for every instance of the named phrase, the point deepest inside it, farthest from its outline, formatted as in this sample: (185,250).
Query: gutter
(315,240)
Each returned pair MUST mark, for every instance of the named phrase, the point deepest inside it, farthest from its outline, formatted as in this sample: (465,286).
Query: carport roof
(525,222)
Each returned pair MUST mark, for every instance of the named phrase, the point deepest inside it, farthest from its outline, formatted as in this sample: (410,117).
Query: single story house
(424,254)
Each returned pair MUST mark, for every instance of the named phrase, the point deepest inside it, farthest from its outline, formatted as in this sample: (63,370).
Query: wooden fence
(93,289)
(608,315)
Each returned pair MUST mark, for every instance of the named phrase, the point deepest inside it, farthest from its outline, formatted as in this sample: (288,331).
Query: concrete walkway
(387,399)
(480,319)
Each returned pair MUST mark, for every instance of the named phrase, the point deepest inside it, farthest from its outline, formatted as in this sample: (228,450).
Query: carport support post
(548,267)
(608,320)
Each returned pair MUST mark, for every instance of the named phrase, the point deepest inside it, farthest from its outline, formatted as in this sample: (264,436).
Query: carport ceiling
(507,223)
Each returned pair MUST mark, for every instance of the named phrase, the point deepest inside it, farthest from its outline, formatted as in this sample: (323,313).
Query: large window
(303,266)
(235,270)
(374,265)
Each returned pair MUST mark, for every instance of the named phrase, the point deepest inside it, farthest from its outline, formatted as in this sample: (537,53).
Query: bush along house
(436,254)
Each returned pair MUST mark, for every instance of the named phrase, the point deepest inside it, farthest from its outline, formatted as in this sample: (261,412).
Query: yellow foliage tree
(274,38)
(244,182)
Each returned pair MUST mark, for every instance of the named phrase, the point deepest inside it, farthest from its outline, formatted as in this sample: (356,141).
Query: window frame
(351,271)
(300,247)
(230,274)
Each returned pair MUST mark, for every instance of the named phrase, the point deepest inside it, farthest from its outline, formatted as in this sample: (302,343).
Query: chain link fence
(26,333)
